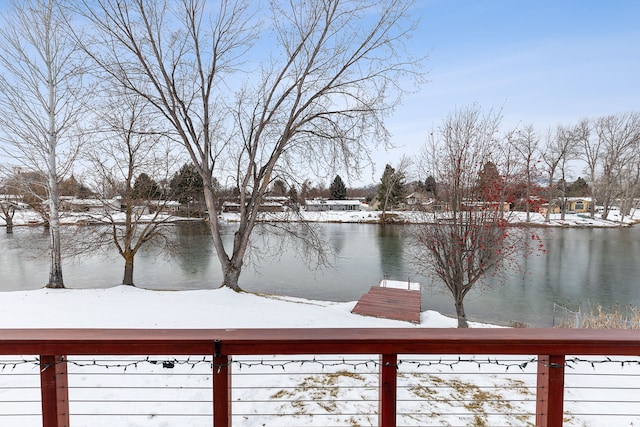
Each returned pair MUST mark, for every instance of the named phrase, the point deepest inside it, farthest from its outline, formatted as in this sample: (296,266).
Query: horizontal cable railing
(319,377)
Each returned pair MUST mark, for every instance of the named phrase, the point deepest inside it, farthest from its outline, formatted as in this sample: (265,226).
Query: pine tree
(579,188)
(279,188)
(431,186)
(145,188)
(391,188)
(186,185)
(337,189)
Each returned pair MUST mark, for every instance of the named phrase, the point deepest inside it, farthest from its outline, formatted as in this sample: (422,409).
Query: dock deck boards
(390,303)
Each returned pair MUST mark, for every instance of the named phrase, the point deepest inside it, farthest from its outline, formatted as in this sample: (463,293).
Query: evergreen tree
(431,186)
(72,187)
(579,188)
(279,188)
(337,189)
(293,195)
(145,188)
(391,188)
(186,185)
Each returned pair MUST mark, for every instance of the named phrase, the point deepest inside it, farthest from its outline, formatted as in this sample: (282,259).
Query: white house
(319,205)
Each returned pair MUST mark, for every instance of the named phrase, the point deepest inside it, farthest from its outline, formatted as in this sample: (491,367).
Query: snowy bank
(305,390)
(31,218)
(130,307)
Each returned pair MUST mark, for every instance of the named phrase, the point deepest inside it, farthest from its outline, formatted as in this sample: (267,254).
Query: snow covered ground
(26,217)
(571,220)
(278,390)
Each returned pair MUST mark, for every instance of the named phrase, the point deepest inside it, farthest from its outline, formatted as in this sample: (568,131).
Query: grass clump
(596,317)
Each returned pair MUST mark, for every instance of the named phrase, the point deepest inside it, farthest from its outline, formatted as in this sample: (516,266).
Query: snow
(396,284)
(28,217)
(219,308)
(304,391)
(369,216)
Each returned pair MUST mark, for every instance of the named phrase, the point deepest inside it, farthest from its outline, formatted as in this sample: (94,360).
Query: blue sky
(543,62)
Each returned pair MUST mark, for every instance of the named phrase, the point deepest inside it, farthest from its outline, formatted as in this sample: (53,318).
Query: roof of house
(332,202)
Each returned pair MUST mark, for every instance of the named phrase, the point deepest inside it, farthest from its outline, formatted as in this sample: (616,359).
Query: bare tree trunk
(127,280)
(8,218)
(231,274)
(563,198)
(462,317)
(231,266)
(55,270)
(592,206)
(547,216)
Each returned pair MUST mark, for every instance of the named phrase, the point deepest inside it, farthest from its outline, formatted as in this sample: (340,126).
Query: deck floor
(390,303)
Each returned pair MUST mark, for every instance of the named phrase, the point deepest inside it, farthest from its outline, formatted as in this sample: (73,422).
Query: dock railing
(549,347)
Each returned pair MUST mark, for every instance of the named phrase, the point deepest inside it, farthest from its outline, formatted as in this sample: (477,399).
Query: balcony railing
(549,348)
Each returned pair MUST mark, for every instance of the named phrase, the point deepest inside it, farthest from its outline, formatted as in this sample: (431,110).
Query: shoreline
(338,217)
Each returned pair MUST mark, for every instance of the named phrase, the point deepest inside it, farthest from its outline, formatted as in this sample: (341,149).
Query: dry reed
(599,318)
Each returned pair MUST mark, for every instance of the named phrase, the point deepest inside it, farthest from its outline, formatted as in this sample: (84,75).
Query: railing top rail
(319,341)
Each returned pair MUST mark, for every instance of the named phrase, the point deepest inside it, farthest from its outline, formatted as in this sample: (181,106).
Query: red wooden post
(221,391)
(54,388)
(550,393)
(388,390)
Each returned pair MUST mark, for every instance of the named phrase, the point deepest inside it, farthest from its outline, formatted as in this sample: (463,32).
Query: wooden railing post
(221,391)
(550,393)
(388,390)
(54,389)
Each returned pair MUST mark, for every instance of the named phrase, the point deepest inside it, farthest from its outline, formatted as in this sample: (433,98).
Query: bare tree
(321,95)
(525,142)
(8,203)
(127,150)
(591,151)
(468,239)
(559,148)
(569,139)
(617,134)
(40,83)
(629,179)
(7,212)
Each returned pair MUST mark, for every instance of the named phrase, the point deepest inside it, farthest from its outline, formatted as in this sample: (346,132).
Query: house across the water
(573,205)
(321,205)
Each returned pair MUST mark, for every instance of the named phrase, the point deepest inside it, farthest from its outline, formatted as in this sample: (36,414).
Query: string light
(171,363)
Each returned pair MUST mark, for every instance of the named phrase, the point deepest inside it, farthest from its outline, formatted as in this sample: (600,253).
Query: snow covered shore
(435,393)
(23,218)
(129,307)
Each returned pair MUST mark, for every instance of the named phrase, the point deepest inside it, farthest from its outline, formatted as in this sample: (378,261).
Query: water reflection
(391,245)
(194,248)
(338,241)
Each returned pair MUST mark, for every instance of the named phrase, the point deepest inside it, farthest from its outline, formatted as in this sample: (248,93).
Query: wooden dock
(390,303)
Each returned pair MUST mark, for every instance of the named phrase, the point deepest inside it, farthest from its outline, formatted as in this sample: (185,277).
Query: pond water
(581,266)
